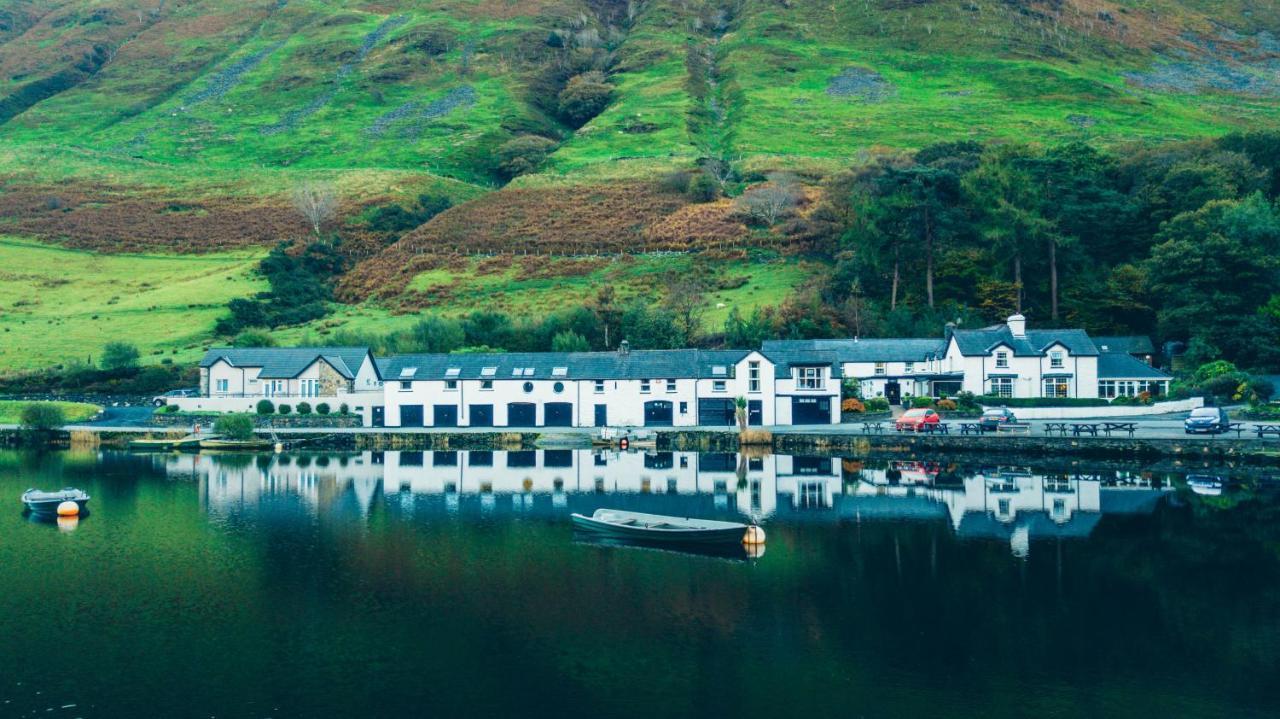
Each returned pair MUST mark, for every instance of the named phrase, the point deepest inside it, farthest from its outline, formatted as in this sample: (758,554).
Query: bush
(169,408)
(967,400)
(921,402)
(254,337)
(523,154)
(1125,401)
(284,409)
(853,405)
(877,404)
(948,404)
(702,188)
(304,408)
(1261,390)
(42,416)
(584,97)
(234,426)
(322,408)
(265,406)
(990,401)
(119,355)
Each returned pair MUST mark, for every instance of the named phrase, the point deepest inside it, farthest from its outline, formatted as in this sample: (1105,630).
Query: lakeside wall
(1109,412)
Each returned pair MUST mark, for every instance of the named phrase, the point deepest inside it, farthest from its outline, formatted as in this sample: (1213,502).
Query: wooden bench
(1109,427)
(873,427)
(1265,429)
(1059,427)
(1089,428)
(1237,427)
(939,428)
(970,427)
(1014,428)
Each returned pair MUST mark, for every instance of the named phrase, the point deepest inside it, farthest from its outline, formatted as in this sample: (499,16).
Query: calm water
(444,584)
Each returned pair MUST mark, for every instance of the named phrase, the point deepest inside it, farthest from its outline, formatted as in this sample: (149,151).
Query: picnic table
(870,427)
(1014,428)
(970,428)
(1109,427)
(1265,429)
(937,428)
(1089,428)
(1237,427)
(1059,427)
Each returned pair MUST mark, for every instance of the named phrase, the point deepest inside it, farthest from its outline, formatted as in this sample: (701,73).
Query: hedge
(989,401)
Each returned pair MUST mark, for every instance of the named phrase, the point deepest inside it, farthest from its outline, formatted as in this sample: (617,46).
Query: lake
(395,584)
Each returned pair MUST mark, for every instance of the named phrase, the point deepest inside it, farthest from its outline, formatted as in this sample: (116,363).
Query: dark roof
(637,364)
(1034,344)
(863,350)
(783,360)
(1114,365)
(1134,344)
(288,362)
(1038,523)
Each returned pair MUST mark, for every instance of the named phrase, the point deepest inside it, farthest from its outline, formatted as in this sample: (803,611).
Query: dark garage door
(558,414)
(522,414)
(810,410)
(657,413)
(716,413)
(411,415)
(481,415)
(445,415)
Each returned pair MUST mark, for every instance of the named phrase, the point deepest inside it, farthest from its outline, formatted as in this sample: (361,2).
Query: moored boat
(660,528)
(39,502)
(165,443)
(235,444)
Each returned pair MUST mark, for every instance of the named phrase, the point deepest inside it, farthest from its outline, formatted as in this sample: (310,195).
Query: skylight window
(408,371)
(453,372)
(720,371)
(560,372)
(488,371)
(528,371)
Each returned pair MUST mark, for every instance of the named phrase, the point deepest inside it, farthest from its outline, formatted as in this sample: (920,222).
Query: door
(716,413)
(558,414)
(602,415)
(810,410)
(445,415)
(522,414)
(481,415)
(755,413)
(379,417)
(658,413)
(411,415)
(893,392)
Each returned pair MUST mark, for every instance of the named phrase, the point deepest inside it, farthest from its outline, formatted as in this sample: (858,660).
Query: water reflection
(1014,505)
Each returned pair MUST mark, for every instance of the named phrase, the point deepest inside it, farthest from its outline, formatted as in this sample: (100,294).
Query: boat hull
(230,444)
(46,503)
(648,528)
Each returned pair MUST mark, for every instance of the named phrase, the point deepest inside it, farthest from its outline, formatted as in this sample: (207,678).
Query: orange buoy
(68,509)
(67,524)
(754,535)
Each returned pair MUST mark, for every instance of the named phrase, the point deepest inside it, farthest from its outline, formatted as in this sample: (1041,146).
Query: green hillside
(145,127)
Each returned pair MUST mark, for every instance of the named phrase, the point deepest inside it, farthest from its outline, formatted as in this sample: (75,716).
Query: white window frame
(599,387)
(881,369)
(1002,360)
(222,386)
(451,385)
(486,385)
(811,378)
(1057,359)
(644,386)
(671,386)
(1107,388)
(718,385)
(406,385)
(1002,386)
(753,377)
(1055,387)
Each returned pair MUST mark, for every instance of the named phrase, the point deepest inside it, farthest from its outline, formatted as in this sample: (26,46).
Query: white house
(236,379)
(1010,360)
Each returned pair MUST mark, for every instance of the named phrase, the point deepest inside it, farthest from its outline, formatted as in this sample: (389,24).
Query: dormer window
(910,367)
(1057,359)
(880,368)
(809,378)
(1002,360)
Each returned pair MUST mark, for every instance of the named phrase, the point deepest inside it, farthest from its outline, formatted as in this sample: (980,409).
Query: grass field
(11,410)
(58,305)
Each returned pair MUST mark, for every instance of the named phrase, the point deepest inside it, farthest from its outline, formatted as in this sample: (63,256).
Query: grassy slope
(58,304)
(959,68)
(11,410)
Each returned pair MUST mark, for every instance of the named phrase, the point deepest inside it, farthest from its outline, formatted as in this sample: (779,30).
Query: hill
(145,127)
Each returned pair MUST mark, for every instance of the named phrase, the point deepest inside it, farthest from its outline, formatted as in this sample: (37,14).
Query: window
(488,371)
(717,385)
(599,386)
(809,378)
(222,385)
(451,384)
(528,387)
(1002,359)
(406,385)
(880,368)
(1107,388)
(1056,387)
(910,367)
(1056,359)
(753,377)
(486,384)
(644,386)
(453,372)
(719,371)
(671,385)
(559,371)
(684,408)
(1002,386)
(408,371)
(558,387)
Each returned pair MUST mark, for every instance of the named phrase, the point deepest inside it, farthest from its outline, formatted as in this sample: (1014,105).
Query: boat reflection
(736,552)
(1015,505)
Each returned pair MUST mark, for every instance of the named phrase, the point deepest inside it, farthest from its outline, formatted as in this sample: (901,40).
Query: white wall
(1184,405)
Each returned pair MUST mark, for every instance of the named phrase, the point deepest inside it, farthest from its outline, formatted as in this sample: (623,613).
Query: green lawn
(58,305)
(11,410)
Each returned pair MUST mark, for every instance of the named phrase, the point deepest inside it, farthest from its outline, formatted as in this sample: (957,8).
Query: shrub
(234,426)
(265,406)
(584,97)
(853,404)
(967,400)
(284,409)
(523,154)
(343,409)
(877,404)
(1124,401)
(1261,390)
(304,408)
(948,404)
(702,188)
(119,355)
(322,408)
(921,402)
(42,416)
(253,337)
(169,408)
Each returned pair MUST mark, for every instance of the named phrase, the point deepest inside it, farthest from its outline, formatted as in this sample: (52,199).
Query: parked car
(917,420)
(163,399)
(993,417)
(1210,420)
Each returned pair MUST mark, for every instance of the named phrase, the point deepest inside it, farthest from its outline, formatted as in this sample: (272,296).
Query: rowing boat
(659,528)
(47,502)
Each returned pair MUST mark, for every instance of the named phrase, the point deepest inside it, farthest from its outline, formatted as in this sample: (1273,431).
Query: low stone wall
(1108,412)
(318,421)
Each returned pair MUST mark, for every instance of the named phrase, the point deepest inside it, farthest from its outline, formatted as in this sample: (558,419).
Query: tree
(925,199)
(1009,217)
(584,97)
(650,327)
(569,341)
(687,303)
(254,337)
(609,311)
(768,203)
(42,416)
(740,411)
(523,154)
(119,355)
(317,202)
(237,427)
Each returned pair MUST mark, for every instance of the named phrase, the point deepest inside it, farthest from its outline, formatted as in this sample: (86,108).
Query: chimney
(624,348)
(1018,326)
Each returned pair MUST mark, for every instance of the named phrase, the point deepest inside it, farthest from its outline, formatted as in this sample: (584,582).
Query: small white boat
(660,528)
(47,502)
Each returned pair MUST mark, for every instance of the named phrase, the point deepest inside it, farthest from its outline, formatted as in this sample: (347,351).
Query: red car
(917,420)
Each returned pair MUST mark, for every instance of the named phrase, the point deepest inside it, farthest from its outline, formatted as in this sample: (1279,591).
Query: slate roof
(636,364)
(864,350)
(1039,525)
(288,362)
(1133,344)
(1034,344)
(1116,365)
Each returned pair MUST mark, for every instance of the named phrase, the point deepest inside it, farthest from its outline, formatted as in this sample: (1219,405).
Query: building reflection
(1014,505)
